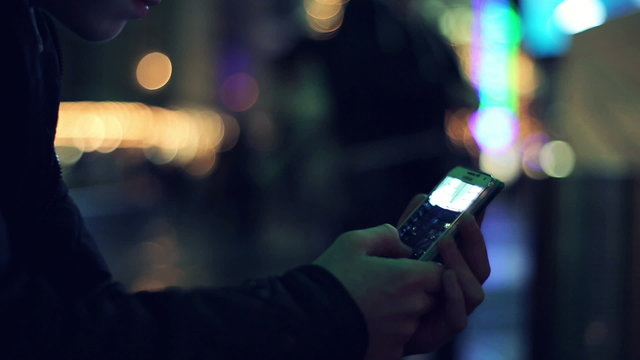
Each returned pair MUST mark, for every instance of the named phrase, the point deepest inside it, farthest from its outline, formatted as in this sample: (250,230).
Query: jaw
(91,24)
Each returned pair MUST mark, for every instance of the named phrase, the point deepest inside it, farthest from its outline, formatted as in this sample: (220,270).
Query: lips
(142,7)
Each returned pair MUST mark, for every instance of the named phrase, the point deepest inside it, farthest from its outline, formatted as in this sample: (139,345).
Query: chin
(87,24)
(97,33)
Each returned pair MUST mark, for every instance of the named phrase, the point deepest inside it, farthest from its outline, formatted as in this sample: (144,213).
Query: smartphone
(460,192)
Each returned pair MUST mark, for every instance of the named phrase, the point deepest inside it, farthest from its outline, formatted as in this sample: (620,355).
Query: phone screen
(443,206)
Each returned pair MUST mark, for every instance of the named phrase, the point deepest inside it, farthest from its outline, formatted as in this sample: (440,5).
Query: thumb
(384,241)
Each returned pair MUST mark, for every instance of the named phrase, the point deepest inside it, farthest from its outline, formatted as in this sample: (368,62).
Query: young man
(360,299)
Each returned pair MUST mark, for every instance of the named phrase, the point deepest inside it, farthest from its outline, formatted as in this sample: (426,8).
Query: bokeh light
(504,165)
(456,126)
(68,155)
(531,156)
(112,134)
(182,137)
(202,165)
(494,70)
(528,75)
(557,159)
(574,16)
(239,92)
(322,9)
(154,71)
(505,134)
(324,17)
(494,128)
(231,133)
(455,24)
(157,261)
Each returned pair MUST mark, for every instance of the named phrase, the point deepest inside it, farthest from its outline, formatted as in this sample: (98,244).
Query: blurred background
(219,140)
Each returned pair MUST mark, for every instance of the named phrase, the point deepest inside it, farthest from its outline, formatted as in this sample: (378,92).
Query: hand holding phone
(462,191)
(466,265)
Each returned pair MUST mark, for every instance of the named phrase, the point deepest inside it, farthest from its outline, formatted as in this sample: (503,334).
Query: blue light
(542,36)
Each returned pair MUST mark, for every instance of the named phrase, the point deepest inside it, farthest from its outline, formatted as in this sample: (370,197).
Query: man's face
(98,20)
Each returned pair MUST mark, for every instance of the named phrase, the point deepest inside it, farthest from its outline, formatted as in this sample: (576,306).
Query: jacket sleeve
(57,298)
(306,313)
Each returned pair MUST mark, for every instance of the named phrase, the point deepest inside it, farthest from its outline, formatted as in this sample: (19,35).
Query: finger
(430,303)
(474,249)
(428,275)
(455,307)
(413,204)
(419,305)
(471,287)
(423,276)
(383,241)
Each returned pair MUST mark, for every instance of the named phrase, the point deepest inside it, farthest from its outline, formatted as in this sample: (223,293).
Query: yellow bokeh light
(557,159)
(154,71)
(455,24)
(504,166)
(531,156)
(160,155)
(202,165)
(232,133)
(324,17)
(325,26)
(189,138)
(112,133)
(528,75)
(68,155)
(456,126)
(93,129)
(322,9)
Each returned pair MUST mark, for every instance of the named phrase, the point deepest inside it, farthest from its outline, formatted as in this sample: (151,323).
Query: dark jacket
(57,298)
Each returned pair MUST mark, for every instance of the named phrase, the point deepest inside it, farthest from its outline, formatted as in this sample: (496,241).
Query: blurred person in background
(388,78)
(362,298)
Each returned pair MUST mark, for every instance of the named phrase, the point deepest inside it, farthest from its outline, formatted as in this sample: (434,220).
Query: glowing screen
(445,204)
(454,194)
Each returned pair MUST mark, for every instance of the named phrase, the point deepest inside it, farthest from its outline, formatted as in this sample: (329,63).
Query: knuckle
(415,306)
(405,269)
(460,324)
(477,297)
(390,230)
(434,268)
(430,275)
(485,275)
(423,304)
(353,237)
(344,237)
(414,275)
